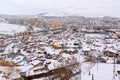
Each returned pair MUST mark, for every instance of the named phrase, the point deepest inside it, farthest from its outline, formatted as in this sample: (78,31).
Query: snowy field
(101,72)
(11,28)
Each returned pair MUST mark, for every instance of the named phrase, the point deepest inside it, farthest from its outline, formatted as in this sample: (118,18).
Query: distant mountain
(58,14)
(2,16)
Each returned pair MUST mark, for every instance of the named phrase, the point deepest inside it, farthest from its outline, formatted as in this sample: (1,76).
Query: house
(110,52)
(2,48)
(86,50)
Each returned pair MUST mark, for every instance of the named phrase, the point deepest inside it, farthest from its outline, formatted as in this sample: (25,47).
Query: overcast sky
(84,7)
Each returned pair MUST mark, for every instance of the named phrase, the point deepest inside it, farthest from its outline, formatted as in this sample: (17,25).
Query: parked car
(110,61)
(118,60)
(103,59)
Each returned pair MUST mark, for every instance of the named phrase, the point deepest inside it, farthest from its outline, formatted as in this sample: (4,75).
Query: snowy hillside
(11,28)
(57,14)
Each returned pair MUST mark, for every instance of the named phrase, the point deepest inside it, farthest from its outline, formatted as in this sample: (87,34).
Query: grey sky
(84,7)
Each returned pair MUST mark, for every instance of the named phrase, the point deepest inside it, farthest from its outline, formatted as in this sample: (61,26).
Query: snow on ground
(11,28)
(101,72)
(5,71)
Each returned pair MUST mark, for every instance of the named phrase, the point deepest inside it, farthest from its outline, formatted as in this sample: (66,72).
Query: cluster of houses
(32,53)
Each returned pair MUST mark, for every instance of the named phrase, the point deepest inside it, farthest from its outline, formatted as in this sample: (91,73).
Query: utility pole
(114,69)
(80,67)
(92,76)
